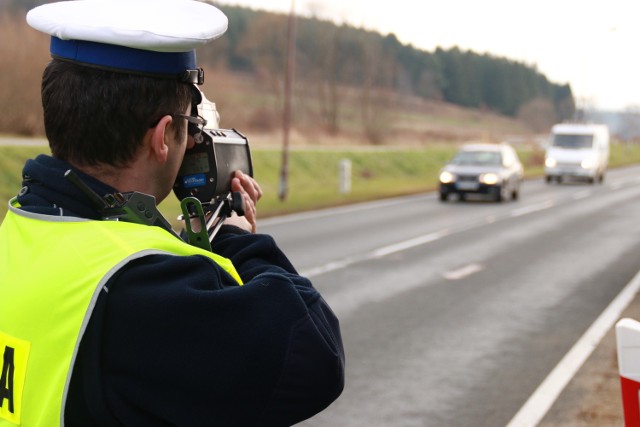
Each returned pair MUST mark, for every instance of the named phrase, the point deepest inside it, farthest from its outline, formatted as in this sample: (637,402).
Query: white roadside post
(628,345)
(344,176)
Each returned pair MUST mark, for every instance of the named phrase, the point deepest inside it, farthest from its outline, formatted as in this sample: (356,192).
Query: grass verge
(313,180)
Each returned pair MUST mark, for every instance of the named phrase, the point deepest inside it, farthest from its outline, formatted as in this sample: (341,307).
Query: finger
(250,212)
(253,187)
(257,188)
(250,186)
(236,185)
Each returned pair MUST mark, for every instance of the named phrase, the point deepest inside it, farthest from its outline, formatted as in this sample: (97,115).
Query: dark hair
(93,116)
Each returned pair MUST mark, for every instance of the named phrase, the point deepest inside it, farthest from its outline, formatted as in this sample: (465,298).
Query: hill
(250,97)
(399,120)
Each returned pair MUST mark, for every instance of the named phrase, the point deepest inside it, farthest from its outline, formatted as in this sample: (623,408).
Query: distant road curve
(17,140)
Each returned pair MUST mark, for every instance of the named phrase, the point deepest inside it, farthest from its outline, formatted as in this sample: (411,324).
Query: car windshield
(573,141)
(477,158)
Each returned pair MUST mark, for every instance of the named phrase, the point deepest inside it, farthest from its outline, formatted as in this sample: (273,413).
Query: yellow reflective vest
(52,270)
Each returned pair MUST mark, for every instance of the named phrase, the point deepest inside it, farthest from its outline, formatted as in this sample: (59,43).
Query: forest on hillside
(335,64)
(331,55)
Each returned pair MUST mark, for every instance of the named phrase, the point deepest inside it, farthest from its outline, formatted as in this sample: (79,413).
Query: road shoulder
(593,397)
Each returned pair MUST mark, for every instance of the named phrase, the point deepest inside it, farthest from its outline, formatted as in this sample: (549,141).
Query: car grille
(467,177)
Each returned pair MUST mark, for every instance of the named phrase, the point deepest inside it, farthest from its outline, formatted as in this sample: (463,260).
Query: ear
(158,147)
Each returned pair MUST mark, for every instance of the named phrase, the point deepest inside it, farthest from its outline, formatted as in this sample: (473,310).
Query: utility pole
(286,117)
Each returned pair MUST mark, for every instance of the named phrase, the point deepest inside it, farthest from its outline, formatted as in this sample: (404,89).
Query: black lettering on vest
(6,379)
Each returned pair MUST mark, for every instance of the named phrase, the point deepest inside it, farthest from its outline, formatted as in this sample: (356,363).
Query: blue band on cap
(123,58)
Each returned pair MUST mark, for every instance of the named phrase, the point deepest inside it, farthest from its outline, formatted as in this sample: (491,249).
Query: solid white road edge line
(532,412)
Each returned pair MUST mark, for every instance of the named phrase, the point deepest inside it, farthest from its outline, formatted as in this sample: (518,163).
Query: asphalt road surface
(453,313)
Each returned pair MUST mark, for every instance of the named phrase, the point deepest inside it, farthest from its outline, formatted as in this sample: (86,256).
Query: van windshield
(573,141)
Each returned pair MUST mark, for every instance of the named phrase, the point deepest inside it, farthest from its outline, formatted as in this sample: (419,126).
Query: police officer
(114,323)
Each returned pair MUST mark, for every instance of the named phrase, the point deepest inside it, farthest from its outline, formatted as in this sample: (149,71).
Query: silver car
(491,170)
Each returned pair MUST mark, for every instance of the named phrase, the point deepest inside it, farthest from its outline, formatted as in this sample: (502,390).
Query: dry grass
(24,53)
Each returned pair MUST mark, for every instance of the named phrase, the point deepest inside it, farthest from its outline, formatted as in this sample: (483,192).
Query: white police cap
(151,37)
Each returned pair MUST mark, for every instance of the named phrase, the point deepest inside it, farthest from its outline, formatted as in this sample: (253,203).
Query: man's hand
(251,193)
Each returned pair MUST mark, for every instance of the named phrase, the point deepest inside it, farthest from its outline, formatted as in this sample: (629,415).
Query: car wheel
(443,197)
(548,179)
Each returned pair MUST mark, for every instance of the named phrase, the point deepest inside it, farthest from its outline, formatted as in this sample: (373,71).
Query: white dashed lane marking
(463,272)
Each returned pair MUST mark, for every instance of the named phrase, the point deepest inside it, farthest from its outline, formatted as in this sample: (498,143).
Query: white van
(578,151)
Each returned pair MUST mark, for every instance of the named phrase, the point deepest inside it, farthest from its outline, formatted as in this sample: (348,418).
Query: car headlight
(489,178)
(550,162)
(447,177)
(587,163)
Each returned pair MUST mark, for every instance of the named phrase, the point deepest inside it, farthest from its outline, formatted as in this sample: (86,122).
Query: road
(453,313)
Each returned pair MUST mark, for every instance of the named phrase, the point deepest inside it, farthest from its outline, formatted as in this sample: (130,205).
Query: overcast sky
(592,45)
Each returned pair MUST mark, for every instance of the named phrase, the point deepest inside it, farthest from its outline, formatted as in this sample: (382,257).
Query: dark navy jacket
(174,342)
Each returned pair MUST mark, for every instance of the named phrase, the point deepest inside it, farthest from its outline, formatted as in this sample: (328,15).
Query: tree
(539,114)
(265,43)
(377,69)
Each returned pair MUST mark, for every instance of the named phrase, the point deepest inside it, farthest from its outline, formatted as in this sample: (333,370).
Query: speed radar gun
(204,180)
(203,185)
(628,346)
